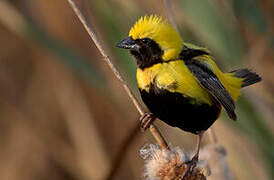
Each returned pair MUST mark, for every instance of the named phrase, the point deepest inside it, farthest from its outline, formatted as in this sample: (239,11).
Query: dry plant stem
(170,15)
(211,132)
(212,135)
(153,129)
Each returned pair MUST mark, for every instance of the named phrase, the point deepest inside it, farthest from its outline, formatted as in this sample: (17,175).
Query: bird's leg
(192,163)
(195,158)
(146,120)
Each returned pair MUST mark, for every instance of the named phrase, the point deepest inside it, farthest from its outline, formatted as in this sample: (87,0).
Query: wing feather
(213,85)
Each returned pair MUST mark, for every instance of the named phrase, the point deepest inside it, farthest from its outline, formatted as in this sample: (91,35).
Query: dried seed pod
(170,164)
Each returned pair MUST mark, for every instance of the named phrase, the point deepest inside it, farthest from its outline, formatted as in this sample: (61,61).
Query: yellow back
(231,83)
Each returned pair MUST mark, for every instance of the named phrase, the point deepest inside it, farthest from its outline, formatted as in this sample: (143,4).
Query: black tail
(249,76)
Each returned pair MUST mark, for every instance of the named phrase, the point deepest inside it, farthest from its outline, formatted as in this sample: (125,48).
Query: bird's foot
(146,120)
(194,160)
(190,165)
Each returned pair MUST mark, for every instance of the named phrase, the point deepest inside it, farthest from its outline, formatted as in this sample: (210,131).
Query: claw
(146,120)
(190,166)
(193,162)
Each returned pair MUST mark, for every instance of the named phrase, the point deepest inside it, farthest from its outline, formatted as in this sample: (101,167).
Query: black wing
(213,85)
(188,53)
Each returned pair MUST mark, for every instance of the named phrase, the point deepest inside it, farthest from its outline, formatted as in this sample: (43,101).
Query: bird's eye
(145,40)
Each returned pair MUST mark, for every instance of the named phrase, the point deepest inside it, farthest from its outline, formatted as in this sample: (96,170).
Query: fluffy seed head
(169,164)
(159,30)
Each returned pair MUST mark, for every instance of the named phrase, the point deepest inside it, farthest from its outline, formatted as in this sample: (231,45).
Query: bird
(179,82)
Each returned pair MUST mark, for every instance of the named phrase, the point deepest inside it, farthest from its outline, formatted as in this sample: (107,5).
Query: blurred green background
(63,114)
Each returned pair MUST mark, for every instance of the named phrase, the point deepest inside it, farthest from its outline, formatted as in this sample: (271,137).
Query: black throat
(149,54)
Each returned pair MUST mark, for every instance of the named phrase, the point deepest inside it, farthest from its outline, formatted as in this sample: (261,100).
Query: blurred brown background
(63,114)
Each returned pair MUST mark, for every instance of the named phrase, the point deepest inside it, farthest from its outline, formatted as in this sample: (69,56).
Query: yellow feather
(167,75)
(159,30)
(174,77)
(193,46)
(231,83)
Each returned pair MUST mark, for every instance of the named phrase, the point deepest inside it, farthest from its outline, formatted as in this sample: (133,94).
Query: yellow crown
(159,30)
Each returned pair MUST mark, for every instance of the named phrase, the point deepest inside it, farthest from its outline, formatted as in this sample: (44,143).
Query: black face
(146,51)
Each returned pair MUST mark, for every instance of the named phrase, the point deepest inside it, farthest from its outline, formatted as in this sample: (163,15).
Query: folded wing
(209,81)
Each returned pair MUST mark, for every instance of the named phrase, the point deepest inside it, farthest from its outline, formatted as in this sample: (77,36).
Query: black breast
(178,111)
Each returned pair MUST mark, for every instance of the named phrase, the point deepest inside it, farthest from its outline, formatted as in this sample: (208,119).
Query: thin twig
(212,136)
(211,132)
(153,129)
(170,15)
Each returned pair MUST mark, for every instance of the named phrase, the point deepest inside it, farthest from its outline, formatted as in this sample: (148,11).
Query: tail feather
(248,76)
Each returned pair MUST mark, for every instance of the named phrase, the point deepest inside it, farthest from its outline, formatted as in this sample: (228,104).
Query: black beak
(128,43)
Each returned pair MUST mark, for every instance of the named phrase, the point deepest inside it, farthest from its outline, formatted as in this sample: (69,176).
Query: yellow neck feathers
(159,30)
